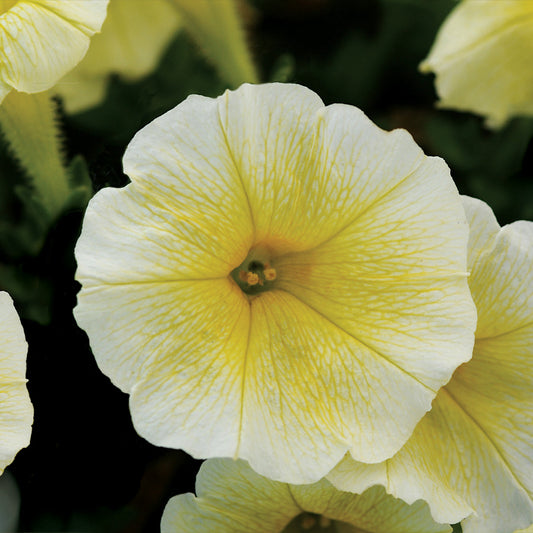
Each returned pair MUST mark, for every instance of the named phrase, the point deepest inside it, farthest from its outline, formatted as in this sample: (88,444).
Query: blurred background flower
(134,35)
(481,58)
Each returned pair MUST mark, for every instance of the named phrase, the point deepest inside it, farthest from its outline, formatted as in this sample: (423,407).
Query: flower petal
(481,58)
(270,132)
(313,390)
(16,411)
(189,389)
(476,443)
(232,498)
(42,40)
(302,389)
(388,274)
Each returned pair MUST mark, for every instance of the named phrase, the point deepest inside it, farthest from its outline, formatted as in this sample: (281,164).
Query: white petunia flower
(281,282)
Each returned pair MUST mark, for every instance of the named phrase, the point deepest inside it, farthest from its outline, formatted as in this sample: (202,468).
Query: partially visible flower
(232,498)
(281,282)
(474,449)
(134,36)
(482,59)
(16,411)
(41,40)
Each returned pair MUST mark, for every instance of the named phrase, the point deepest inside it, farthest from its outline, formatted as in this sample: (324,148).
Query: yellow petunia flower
(232,498)
(281,282)
(482,59)
(134,36)
(41,40)
(16,411)
(474,449)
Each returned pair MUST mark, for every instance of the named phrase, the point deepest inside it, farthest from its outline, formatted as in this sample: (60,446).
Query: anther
(269,273)
(252,278)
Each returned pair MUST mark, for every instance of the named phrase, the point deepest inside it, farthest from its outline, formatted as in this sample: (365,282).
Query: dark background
(86,470)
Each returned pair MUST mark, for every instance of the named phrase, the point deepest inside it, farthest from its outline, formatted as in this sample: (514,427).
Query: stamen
(255,274)
(252,279)
(269,273)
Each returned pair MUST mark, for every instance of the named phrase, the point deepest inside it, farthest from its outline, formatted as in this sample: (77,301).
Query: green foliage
(486,164)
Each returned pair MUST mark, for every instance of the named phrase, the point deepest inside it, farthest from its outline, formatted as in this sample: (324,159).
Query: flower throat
(256,274)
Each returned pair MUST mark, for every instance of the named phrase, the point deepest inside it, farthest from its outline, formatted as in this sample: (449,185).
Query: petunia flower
(41,40)
(133,38)
(482,59)
(232,498)
(16,411)
(281,282)
(474,449)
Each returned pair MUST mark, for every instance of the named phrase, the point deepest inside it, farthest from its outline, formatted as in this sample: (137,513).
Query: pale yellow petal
(270,131)
(42,40)
(475,446)
(314,390)
(133,38)
(188,390)
(154,242)
(482,59)
(486,229)
(501,285)
(232,498)
(393,279)
(16,411)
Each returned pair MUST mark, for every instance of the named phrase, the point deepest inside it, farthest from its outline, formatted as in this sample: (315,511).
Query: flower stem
(216,27)
(28,123)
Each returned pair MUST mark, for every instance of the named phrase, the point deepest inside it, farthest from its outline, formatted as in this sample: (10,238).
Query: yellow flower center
(6,5)
(256,273)
(314,523)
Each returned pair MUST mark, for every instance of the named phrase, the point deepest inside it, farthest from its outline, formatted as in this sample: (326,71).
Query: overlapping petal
(370,312)
(41,40)
(134,35)
(475,448)
(232,498)
(16,411)
(482,59)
